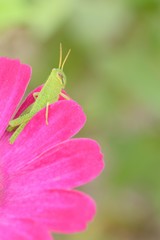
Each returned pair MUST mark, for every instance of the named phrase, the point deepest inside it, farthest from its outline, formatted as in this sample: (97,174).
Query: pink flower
(39,171)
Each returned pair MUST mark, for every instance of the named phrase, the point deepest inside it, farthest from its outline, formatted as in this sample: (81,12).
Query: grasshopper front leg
(47,106)
(47,111)
(65,96)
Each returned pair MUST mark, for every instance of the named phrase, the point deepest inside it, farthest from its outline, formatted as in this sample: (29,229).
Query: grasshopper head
(59,71)
(61,77)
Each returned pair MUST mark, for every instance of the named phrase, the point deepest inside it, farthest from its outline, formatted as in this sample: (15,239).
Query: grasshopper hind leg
(20,120)
(17,132)
(10,128)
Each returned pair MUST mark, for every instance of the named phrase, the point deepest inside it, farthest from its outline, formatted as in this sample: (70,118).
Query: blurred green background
(114,73)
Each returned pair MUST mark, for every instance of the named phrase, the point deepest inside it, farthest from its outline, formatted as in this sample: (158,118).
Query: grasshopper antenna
(60,56)
(65,59)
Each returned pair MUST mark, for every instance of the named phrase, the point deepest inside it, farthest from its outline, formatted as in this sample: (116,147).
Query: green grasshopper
(48,95)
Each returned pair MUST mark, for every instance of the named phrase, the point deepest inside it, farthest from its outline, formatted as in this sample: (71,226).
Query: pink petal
(14,78)
(59,210)
(22,230)
(67,165)
(66,118)
(8,233)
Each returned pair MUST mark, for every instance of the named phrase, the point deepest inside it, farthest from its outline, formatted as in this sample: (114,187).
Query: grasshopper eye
(60,75)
